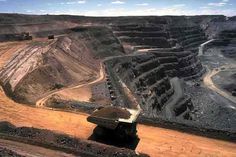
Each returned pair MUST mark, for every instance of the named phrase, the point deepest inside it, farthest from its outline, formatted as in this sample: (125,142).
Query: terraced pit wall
(175,46)
(188,37)
(149,35)
(179,63)
(227,37)
(145,76)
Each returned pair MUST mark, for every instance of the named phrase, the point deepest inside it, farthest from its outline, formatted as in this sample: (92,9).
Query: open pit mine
(117,86)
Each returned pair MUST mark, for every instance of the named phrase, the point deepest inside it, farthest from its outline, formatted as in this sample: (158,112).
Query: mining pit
(180,72)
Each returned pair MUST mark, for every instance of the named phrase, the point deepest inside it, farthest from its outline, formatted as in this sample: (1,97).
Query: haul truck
(120,122)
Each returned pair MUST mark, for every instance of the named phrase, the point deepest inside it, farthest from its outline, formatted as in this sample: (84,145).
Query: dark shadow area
(110,138)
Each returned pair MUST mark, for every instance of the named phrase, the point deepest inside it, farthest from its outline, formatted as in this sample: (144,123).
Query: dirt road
(154,141)
(210,84)
(31,151)
(168,143)
(101,76)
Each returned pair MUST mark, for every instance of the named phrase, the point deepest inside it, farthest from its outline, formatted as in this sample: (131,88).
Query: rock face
(216,25)
(146,77)
(160,34)
(174,41)
(228,37)
(142,35)
(43,67)
(180,63)
(188,37)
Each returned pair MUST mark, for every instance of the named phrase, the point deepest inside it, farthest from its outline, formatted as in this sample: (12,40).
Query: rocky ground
(27,150)
(56,102)
(225,80)
(211,109)
(101,94)
(8,153)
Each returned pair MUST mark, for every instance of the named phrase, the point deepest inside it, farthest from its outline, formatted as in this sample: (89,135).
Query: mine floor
(216,62)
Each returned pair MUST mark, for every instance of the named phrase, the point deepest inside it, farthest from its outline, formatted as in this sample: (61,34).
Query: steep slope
(46,65)
(157,94)
(219,24)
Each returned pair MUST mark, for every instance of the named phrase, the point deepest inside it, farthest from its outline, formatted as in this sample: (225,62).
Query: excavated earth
(149,74)
(43,66)
(113,113)
(155,59)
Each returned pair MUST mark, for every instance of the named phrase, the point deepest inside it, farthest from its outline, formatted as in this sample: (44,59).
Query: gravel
(211,109)
(8,153)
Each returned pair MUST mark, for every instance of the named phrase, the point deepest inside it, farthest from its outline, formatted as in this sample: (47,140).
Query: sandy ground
(153,141)
(31,151)
(20,115)
(79,94)
(76,92)
(8,49)
(163,142)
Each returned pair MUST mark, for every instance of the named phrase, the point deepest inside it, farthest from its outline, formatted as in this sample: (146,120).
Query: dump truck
(118,122)
(50,37)
(25,36)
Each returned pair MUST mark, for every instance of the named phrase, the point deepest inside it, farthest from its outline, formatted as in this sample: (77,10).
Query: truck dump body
(111,117)
(113,113)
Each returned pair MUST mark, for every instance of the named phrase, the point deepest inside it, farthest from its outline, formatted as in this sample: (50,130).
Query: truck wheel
(98,131)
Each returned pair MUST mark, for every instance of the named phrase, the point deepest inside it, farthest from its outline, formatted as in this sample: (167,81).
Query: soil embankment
(43,65)
(26,150)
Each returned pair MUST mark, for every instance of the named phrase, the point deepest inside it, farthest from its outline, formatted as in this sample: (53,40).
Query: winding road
(207,80)
(41,102)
